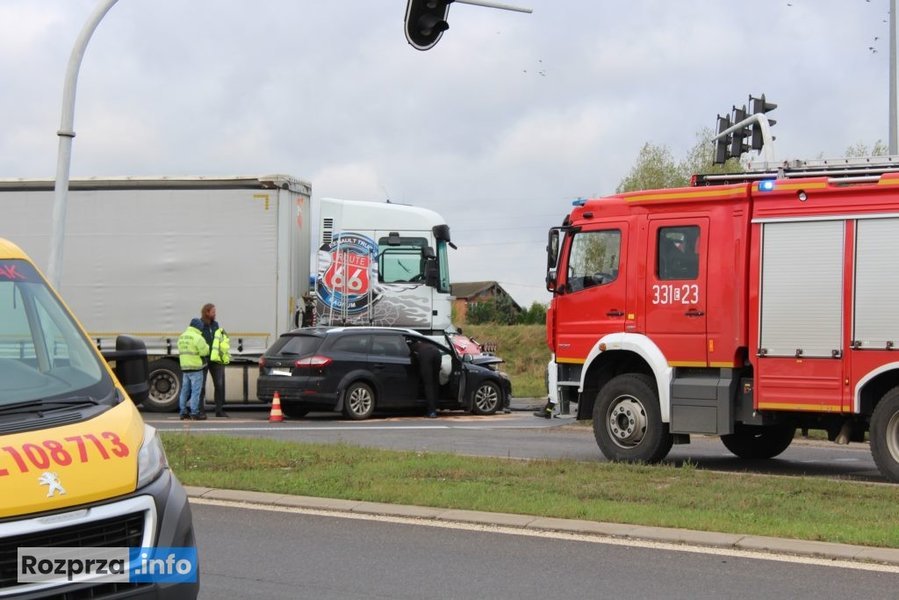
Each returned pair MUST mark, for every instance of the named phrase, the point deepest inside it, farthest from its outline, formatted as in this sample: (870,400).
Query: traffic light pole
(762,120)
(497,5)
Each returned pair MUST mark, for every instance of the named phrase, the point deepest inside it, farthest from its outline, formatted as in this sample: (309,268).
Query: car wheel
(486,399)
(358,401)
(165,386)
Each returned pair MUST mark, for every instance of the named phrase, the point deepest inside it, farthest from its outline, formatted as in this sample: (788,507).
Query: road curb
(748,543)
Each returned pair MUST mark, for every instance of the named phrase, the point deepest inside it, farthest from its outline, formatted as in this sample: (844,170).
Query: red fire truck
(745,306)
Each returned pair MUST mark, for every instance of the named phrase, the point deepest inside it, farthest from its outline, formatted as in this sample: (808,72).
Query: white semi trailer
(142,255)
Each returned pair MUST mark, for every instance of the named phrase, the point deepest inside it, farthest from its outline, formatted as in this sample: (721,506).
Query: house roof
(470,289)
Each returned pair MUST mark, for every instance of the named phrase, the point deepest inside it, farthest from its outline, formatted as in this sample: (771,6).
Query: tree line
(502,311)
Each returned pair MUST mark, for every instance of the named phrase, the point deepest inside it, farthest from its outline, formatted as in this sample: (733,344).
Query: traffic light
(738,146)
(760,105)
(426,22)
(723,142)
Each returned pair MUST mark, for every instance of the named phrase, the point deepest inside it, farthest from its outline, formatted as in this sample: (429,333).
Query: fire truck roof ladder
(844,170)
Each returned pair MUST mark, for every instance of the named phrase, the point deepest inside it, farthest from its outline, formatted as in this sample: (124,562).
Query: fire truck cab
(744,306)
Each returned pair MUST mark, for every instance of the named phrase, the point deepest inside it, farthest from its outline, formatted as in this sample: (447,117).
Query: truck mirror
(393,239)
(552,248)
(432,274)
(552,258)
(551,280)
(441,233)
(131,366)
(430,267)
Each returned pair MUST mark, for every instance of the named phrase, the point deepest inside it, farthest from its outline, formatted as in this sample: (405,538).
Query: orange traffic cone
(276,416)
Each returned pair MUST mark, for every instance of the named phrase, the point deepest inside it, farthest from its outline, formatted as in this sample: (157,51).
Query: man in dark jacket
(215,369)
(428,358)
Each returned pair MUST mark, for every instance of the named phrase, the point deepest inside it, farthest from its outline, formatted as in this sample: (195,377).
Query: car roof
(323,331)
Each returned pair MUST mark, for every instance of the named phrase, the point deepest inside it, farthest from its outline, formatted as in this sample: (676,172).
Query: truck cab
(383,264)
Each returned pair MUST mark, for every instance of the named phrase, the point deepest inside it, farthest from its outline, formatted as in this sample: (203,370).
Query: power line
(501,228)
(527,242)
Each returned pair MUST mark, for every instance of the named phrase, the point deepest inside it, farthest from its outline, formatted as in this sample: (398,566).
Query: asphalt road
(247,553)
(523,436)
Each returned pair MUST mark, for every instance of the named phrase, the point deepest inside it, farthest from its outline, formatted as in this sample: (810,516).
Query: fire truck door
(801,308)
(676,301)
(591,300)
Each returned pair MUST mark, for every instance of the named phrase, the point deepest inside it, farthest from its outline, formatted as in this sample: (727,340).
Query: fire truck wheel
(885,435)
(759,442)
(627,420)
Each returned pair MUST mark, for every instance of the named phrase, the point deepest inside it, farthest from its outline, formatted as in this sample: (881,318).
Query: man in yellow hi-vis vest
(192,349)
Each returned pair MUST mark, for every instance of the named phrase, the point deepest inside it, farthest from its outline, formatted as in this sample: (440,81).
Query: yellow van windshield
(43,354)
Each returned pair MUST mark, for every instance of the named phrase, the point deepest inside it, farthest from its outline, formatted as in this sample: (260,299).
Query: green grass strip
(656,495)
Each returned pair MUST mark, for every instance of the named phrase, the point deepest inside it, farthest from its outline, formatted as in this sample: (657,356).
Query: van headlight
(151,459)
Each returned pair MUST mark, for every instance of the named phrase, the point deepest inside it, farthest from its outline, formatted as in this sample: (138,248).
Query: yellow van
(80,472)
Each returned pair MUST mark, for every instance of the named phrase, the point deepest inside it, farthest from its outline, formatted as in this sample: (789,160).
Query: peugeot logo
(51,480)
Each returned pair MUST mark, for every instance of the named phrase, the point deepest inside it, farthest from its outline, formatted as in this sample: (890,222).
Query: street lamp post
(66,133)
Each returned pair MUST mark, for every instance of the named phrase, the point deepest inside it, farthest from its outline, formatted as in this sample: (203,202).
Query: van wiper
(20,406)
(40,405)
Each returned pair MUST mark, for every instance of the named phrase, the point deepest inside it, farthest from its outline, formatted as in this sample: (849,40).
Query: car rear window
(295,345)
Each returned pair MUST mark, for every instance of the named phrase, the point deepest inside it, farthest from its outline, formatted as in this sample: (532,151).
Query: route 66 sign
(345,282)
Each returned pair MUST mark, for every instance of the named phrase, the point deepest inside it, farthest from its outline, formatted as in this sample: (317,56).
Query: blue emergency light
(579,202)
(766,185)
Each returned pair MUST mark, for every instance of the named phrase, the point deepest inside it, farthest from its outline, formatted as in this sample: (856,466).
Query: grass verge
(658,495)
(524,349)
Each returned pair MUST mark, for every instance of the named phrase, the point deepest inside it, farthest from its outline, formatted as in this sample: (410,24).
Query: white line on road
(173,427)
(558,535)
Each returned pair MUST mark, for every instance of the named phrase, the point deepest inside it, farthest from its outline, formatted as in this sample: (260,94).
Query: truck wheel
(294,411)
(486,399)
(358,401)
(165,386)
(627,420)
(759,443)
(884,435)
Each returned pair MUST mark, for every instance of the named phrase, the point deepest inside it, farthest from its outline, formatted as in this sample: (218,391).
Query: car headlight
(151,459)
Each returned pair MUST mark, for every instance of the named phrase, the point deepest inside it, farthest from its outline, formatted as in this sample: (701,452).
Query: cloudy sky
(498,128)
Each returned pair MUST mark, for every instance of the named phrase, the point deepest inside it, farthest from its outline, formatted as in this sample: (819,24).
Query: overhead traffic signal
(738,146)
(426,22)
(734,129)
(760,105)
(722,142)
